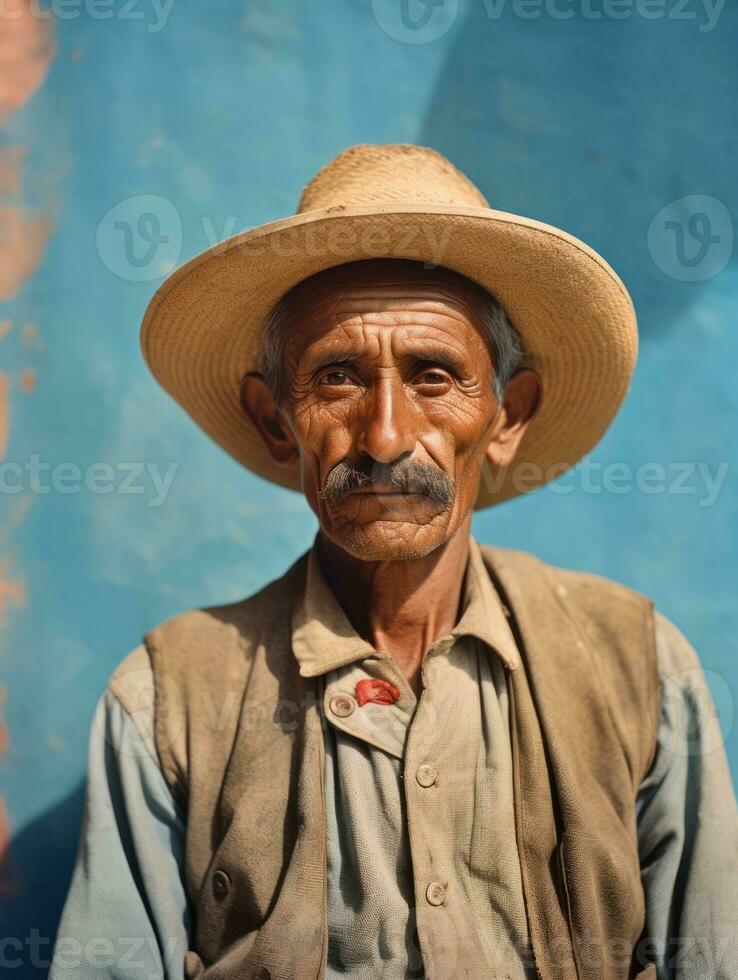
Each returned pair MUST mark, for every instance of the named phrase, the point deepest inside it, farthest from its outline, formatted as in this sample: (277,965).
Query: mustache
(407,475)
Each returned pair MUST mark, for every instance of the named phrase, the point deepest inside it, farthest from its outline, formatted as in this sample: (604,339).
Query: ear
(259,404)
(519,405)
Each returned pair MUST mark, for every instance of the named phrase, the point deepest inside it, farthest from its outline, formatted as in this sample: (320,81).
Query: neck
(400,607)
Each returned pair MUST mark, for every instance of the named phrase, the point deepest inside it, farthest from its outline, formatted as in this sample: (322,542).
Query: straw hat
(202,330)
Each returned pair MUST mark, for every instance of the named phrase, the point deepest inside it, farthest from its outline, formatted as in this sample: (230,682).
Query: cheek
(323,431)
(457,428)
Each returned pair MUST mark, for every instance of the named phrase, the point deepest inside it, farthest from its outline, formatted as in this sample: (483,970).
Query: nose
(387,432)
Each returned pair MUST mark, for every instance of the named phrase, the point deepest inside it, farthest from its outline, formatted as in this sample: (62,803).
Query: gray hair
(504,342)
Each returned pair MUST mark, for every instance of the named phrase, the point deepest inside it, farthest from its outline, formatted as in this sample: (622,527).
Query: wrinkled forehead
(336,295)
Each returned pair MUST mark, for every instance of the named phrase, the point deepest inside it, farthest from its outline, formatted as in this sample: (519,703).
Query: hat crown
(369,174)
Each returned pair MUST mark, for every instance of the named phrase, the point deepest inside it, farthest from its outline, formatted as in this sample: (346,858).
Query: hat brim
(202,330)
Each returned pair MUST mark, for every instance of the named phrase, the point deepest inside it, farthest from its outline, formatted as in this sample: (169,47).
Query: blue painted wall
(222,113)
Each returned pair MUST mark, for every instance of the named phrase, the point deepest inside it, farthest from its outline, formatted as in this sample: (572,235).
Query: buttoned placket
(423,778)
(324,642)
(413,730)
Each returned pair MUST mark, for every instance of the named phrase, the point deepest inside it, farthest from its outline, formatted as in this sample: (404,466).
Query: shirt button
(221,884)
(436,893)
(342,705)
(426,774)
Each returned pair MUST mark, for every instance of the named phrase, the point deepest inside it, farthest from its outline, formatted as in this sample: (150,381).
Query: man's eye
(334,378)
(432,378)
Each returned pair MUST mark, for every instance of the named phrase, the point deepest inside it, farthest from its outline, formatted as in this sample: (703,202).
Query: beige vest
(239,736)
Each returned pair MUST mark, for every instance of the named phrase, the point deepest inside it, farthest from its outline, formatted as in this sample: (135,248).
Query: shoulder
(131,677)
(587,589)
(685,689)
(691,769)
(675,652)
(124,712)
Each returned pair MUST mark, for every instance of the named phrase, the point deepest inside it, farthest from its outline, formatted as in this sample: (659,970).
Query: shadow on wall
(596,126)
(38,875)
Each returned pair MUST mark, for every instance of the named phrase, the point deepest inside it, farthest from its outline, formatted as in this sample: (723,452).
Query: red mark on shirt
(377,691)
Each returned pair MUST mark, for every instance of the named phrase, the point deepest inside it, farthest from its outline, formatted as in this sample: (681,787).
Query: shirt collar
(483,614)
(324,639)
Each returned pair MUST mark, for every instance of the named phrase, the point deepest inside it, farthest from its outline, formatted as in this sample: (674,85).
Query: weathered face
(389,405)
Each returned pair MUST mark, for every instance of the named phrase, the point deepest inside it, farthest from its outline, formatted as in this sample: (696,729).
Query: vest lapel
(271,822)
(560,713)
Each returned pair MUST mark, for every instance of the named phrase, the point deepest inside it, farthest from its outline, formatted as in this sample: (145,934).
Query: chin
(390,540)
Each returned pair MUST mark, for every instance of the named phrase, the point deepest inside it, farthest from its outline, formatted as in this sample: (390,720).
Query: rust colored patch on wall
(11,591)
(28,380)
(24,238)
(23,235)
(26,52)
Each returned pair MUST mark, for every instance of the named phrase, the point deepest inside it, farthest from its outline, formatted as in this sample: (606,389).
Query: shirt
(427,863)
(401,893)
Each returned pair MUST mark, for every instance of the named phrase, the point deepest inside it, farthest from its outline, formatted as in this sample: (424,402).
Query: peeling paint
(11,592)
(18,510)
(26,51)
(22,244)
(28,380)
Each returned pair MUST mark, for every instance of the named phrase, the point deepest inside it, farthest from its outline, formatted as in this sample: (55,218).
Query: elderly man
(411,754)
